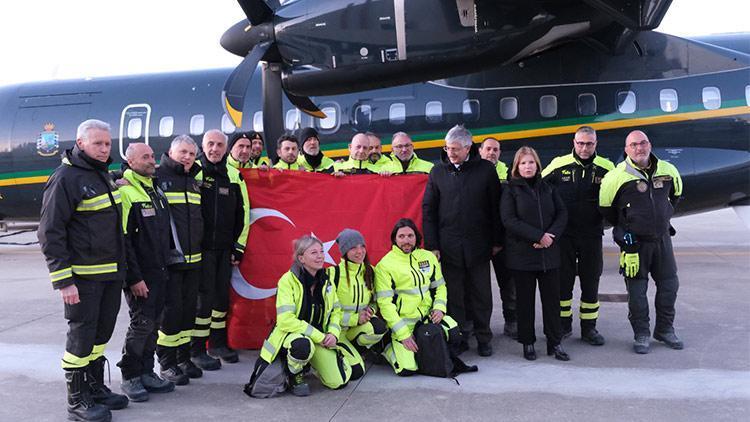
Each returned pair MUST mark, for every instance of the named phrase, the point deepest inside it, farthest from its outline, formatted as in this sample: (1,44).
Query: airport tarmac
(708,380)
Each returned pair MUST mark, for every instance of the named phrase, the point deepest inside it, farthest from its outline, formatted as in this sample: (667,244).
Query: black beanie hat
(240,135)
(307,132)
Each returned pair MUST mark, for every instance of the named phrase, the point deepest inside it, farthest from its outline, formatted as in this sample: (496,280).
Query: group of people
(169,235)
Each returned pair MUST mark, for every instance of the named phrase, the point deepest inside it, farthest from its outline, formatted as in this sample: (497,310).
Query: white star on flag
(326,247)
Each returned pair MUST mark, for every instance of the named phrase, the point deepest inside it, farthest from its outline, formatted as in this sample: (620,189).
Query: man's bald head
(359,148)
(141,159)
(638,148)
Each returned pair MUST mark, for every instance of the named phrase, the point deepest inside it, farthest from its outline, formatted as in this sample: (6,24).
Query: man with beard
(312,158)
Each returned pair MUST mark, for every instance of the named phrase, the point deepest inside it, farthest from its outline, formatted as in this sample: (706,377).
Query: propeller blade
(257,11)
(235,88)
(273,120)
(306,105)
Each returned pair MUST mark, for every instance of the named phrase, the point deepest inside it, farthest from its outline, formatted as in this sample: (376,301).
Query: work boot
(298,386)
(134,389)
(206,362)
(81,407)
(100,392)
(511,329)
(670,339)
(188,368)
(592,337)
(641,345)
(174,375)
(224,353)
(484,349)
(155,384)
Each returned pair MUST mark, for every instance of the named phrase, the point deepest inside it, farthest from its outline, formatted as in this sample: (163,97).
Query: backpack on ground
(433,357)
(268,379)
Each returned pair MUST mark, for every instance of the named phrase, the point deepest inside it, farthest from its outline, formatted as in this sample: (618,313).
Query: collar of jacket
(177,168)
(653,161)
(401,254)
(213,168)
(77,158)
(297,269)
(359,164)
(313,160)
(578,159)
(520,181)
(134,178)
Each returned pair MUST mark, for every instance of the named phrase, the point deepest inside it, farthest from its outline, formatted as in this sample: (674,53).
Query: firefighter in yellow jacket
(308,321)
(354,278)
(410,288)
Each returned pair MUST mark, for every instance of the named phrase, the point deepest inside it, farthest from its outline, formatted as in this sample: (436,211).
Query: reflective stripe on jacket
(354,296)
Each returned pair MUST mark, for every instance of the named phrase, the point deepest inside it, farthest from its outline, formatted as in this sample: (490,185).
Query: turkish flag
(285,206)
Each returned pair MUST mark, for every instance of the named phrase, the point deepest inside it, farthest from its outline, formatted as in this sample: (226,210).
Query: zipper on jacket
(541,220)
(189,219)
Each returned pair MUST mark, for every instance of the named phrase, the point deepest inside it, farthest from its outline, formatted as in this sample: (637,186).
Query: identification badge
(658,184)
(641,186)
(424,266)
(148,212)
(565,178)
(223,191)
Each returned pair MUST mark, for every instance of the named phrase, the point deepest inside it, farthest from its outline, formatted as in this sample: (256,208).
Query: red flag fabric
(286,205)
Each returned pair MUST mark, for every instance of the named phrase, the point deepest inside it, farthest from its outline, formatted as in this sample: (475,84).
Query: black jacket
(529,212)
(148,236)
(222,204)
(578,181)
(184,197)
(461,211)
(80,229)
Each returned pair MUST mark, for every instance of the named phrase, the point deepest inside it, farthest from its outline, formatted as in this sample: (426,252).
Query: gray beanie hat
(348,239)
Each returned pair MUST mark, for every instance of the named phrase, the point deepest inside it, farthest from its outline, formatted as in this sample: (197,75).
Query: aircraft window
(331,119)
(747,95)
(197,124)
(166,126)
(292,119)
(471,110)
(226,124)
(668,99)
(135,126)
(258,121)
(626,102)
(433,111)
(362,117)
(548,105)
(397,113)
(587,104)
(711,98)
(509,108)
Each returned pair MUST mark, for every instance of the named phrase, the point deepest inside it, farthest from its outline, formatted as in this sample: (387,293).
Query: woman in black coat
(534,216)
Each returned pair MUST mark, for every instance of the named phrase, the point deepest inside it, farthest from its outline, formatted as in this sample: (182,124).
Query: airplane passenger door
(135,121)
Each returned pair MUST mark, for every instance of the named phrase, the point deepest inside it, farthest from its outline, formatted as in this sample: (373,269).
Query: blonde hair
(525,150)
(302,244)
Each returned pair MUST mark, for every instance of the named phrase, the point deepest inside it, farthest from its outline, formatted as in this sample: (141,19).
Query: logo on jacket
(424,266)
(48,142)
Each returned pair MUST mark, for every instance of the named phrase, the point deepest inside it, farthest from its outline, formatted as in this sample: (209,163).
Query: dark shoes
(558,351)
(224,353)
(188,368)
(134,389)
(155,384)
(511,329)
(206,362)
(81,407)
(484,349)
(175,375)
(298,386)
(100,392)
(641,345)
(528,352)
(670,339)
(592,337)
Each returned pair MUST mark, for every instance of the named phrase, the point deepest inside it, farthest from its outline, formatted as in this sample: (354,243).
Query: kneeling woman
(534,217)
(410,288)
(354,278)
(308,318)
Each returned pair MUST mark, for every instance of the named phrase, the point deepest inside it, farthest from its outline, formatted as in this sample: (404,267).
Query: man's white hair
(215,132)
(179,139)
(459,134)
(87,125)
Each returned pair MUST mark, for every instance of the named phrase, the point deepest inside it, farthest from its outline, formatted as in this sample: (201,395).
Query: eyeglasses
(406,146)
(634,145)
(451,149)
(585,144)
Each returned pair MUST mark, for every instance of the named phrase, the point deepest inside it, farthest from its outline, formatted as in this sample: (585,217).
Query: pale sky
(53,39)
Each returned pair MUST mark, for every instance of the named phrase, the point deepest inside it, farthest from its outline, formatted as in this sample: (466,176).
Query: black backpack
(433,357)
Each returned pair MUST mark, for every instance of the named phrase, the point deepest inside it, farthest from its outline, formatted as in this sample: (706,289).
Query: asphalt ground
(708,380)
